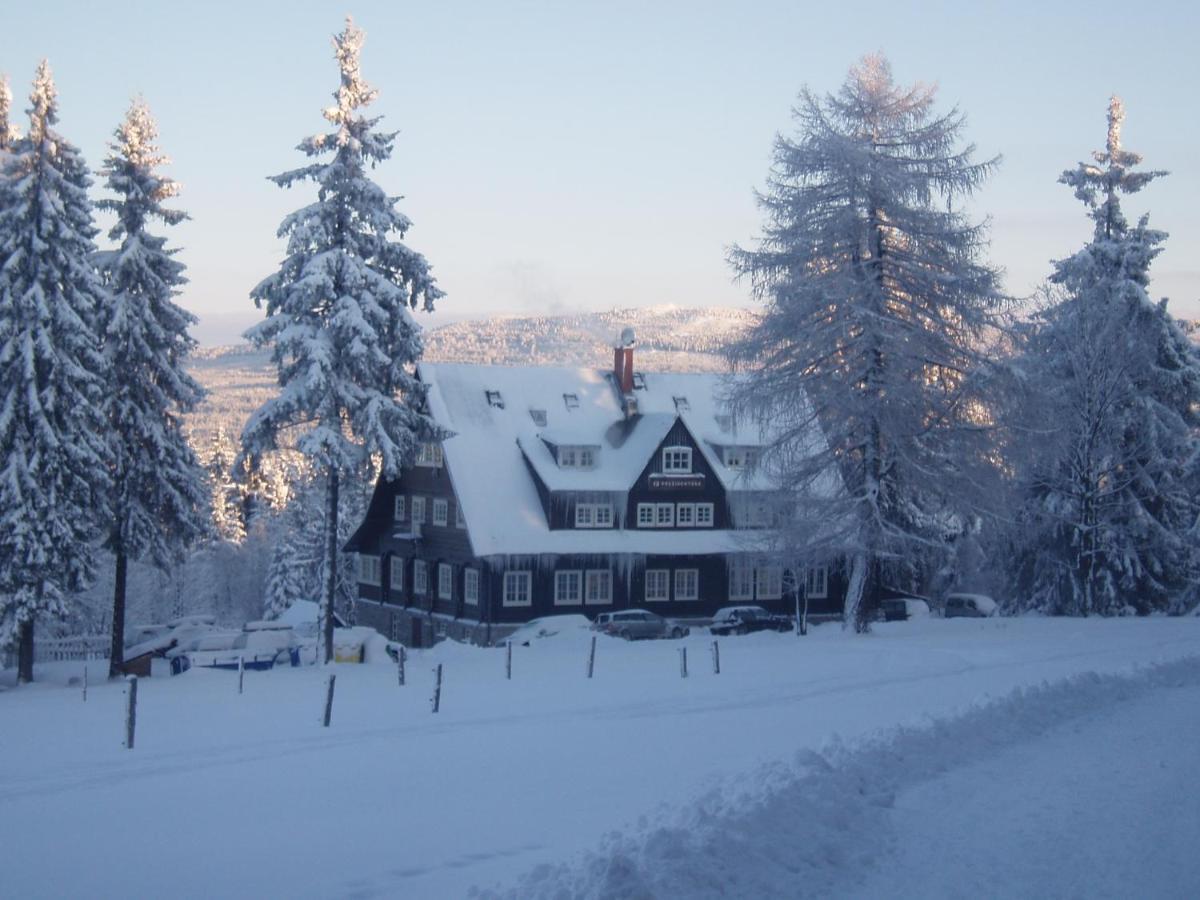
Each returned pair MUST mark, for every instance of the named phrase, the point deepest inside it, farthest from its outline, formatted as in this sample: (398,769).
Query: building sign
(659,482)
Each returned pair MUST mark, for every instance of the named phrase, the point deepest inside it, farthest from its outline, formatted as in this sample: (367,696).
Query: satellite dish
(627,339)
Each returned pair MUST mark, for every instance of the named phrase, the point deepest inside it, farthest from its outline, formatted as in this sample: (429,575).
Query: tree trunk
(331,523)
(854,590)
(25,650)
(116,658)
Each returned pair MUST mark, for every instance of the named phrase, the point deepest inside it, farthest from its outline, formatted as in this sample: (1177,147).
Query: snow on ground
(782,775)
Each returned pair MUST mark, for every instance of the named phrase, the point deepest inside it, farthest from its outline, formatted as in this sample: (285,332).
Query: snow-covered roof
(503,420)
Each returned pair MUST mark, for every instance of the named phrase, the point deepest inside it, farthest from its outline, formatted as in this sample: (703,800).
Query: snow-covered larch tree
(877,302)
(1112,506)
(338,319)
(53,457)
(158,502)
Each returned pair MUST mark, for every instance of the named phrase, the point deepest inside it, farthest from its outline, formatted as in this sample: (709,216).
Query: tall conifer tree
(338,317)
(53,458)
(158,498)
(876,302)
(1112,506)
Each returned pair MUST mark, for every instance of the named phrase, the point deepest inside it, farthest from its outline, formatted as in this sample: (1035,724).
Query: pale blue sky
(567,156)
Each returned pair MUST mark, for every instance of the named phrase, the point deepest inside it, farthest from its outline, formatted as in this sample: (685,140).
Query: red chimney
(627,372)
(618,366)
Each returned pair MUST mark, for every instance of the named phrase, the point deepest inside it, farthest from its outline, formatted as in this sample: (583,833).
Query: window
(568,588)
(420,577)
(445,582)
(459,521)
(538,416)
(396,574)
(574,457)
(685,515)
(593,515)
(587,458)
(645,515)
(517,590)
(368,569)
(741,457)
(418,510)
(430,455)
(398,508)
(687,584)
(441,510)
(571,401)
(494,399)
(677,459)
(770,582)
(598,586)
(657,585)
(471,587)
(704,515)
(681,404)
(639,381)
(741,582)
(816,582)
(664,515)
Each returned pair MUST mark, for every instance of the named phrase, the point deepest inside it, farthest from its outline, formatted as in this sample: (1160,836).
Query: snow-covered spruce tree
(338,315)
(226,497)
(877,301)
(53,458)
(158,497)
(8,131)
(1112,505)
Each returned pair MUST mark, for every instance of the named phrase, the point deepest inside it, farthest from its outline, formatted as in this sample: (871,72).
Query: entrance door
(415,638)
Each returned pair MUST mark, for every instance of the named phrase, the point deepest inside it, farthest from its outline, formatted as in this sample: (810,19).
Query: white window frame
(816,582)
(597,578)
(568,458)
(417,510)
(445,581)
(518,589)
(690,587)
(768,581)
(471,587)
(568,587)
(660,581)
(441,511)
(677,460)
(645,515)
(682,520)
(398,512)
(420,577)
(370,569)
(704,515)
(430,456)
(593,515)
(741,575)
(396,574)
(587,458)
(664,515)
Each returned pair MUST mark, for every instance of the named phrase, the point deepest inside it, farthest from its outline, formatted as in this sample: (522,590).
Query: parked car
(636,624)
(744,619)
(259,649)
(548,626)
(973,606)
(900,609)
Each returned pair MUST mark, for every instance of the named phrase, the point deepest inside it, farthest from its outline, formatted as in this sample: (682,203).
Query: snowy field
(1027,757)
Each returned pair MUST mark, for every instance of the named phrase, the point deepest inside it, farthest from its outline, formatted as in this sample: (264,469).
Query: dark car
(744,619)
(633,624)
(969,606)
(901,609)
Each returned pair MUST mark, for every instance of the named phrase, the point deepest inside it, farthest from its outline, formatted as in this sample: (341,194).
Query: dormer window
(494,399)
(539,417)
(571,401)
(430,455)
(639,381)
(677,460)
(681,404)
(577,457)
(741,457)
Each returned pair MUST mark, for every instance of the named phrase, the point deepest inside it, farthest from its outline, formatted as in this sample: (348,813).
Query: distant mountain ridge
(240,377)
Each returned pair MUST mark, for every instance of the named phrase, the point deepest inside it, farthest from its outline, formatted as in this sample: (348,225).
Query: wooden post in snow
(400,665)
(592,657)
(241,672)
(130,710)
(716,653)
(437,688)
(85,684)
(508,661)
(329,700)
(683,662)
